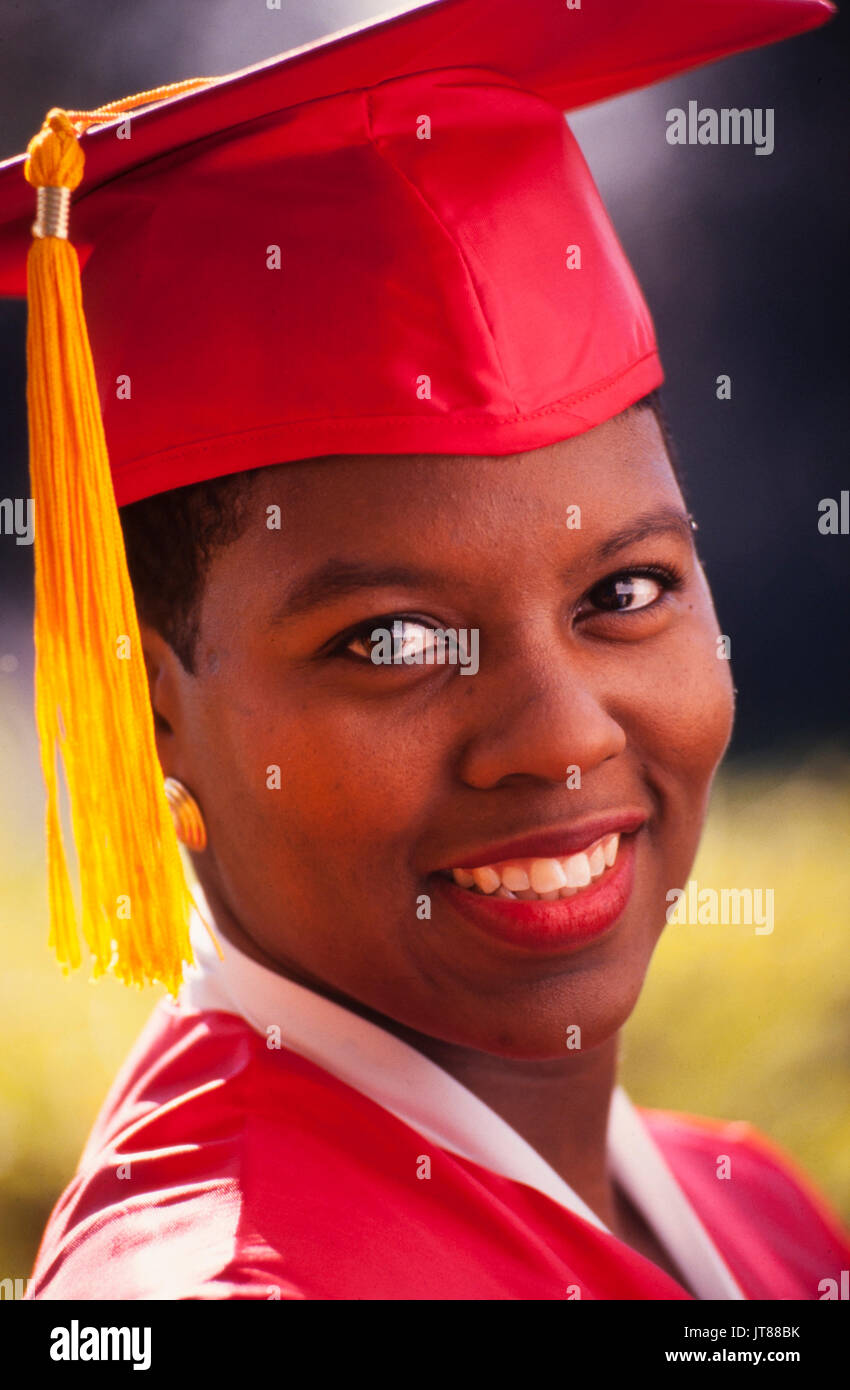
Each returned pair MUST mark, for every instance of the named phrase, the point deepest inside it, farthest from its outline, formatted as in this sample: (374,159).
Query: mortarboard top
(400,257)
(385,242)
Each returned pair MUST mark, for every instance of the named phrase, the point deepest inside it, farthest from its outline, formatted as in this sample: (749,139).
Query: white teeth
(596,861)
(515,878)
(577,870)
(542,879)
(487,879)
(547,876)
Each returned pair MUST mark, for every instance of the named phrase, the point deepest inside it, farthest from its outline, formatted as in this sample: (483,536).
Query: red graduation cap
(384,242)
(362,246)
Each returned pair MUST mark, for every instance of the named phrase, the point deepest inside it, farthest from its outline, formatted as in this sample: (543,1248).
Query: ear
(166,680)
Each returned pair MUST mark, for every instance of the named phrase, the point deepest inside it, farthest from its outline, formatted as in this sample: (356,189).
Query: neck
(559,1107)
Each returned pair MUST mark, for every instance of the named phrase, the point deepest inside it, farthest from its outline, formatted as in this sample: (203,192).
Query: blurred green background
(730,1024)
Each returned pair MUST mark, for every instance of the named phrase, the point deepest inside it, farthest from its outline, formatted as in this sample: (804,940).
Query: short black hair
(171,538)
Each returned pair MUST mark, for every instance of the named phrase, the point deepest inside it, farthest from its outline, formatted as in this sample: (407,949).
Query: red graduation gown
(219,1168)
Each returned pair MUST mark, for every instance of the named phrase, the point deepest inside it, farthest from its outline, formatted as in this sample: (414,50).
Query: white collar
(428,1099)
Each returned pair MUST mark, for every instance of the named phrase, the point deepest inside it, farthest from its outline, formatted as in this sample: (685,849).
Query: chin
(560,1018)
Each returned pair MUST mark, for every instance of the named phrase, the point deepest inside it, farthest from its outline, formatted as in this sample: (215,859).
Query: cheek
(684,730)
(696,711)
(316,781)
(677,693)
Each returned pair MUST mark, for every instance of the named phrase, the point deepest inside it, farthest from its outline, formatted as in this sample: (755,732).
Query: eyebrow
(662,521)
(337,578)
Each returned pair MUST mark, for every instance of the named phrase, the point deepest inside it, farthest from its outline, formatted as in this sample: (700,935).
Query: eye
(394,640)
(630,590)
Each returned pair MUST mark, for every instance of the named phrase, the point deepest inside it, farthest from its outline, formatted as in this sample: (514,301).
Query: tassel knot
(54,156)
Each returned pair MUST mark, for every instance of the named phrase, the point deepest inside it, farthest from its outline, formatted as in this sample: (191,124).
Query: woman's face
(392,774)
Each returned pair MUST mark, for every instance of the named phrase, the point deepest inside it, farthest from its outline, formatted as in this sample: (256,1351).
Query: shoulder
(217,1160)
(722,1143)
(752,1194)
(164,1192)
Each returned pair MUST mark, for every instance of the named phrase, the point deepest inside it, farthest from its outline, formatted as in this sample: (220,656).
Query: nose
(537,717)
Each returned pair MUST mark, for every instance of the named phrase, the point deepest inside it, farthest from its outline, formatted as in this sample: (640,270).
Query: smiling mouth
(541,880)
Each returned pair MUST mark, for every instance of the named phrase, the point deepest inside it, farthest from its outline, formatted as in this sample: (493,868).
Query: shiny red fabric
(424,300)
(423,304)
(222,1169)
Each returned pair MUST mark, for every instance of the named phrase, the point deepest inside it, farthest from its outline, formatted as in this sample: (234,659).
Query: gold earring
(186,815)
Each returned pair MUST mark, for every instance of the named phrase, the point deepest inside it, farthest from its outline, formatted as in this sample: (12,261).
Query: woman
(435,683)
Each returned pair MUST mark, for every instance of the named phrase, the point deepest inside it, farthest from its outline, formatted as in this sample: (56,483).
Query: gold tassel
(92,702)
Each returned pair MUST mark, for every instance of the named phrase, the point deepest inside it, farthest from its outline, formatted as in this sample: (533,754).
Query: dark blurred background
(742,259)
